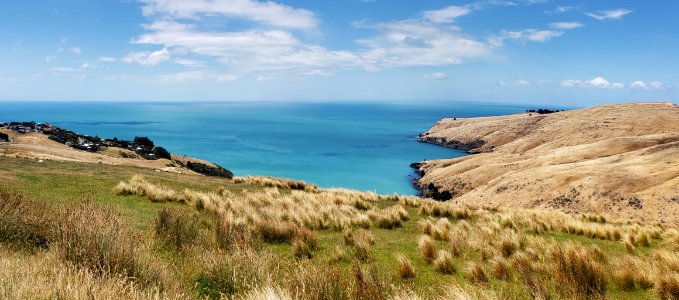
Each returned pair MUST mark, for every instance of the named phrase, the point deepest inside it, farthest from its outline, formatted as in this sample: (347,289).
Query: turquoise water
(365,146)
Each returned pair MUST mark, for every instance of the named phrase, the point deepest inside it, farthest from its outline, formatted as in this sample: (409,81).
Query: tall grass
(24,223)
(176,228)
(577,270)
(93,237)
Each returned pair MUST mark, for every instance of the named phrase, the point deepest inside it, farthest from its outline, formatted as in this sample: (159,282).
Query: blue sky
(525,51)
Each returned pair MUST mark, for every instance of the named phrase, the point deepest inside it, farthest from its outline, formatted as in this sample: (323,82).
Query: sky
(511,51)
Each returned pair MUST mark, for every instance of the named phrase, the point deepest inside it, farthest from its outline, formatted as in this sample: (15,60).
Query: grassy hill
(621,160)
(74,230)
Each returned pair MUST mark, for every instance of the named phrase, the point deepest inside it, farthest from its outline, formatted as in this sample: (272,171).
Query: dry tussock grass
(313,208)
(405,268)
(24,223)
(45,276)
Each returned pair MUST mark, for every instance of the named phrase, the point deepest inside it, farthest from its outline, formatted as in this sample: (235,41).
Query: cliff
(621,160)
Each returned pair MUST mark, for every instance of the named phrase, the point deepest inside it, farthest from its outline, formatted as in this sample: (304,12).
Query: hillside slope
(622,160)
(39,146)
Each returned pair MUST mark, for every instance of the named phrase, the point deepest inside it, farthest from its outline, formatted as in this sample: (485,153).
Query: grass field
(163,235)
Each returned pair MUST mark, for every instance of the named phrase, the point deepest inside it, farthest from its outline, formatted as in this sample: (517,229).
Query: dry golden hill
(39,146)
(621,160)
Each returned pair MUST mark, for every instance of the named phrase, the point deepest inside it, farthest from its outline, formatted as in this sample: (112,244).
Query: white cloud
(641,85)
(321,73)
(268,12)
(189,62)
(597,82)
(447,14)
(107,59)
(526,35)
(64,70)
(419,43)
(148,58)
(565,25)
(518,82)
(560,9)
(610,14)
(517,2)
(75,50)
(247,51)
(436,76)
(223,78)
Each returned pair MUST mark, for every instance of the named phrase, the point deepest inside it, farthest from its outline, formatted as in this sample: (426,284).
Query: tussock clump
(304,243)
(362,250)
(458,245)
(276,182)
(405,267)
(475,273)
(93,237)
(229,275)
(308,281)
(338,255)
(574,267)
(234,235)
(500,268)
(277,232)
(176,228)
(390,217)
(23,223)
(427,249)
(444,263)
(442,209)
(140,187)
(368,285)
(667,286)
(628,241)
(631,273)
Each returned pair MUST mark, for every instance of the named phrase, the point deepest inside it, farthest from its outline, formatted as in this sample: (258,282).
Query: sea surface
(364,146)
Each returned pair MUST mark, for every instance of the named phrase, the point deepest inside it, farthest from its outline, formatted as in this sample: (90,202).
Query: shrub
(23,223)
(405,267)
(177,229)
(444,262)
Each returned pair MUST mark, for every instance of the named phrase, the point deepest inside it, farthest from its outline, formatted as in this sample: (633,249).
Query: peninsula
(620,160)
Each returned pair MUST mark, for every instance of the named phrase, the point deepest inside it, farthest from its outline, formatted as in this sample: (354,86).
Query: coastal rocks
(471,146)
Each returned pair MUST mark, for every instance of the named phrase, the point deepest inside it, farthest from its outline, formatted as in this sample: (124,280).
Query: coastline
(619,160)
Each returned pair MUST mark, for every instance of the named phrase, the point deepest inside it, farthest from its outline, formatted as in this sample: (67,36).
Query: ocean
(365,146)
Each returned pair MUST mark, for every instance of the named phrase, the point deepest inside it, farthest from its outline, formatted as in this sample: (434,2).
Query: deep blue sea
(365,146)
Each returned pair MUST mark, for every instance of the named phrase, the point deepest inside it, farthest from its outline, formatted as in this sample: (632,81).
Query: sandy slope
(38,146)
(621,160)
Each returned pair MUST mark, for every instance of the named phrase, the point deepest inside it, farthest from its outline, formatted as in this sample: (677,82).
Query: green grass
(65,183)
